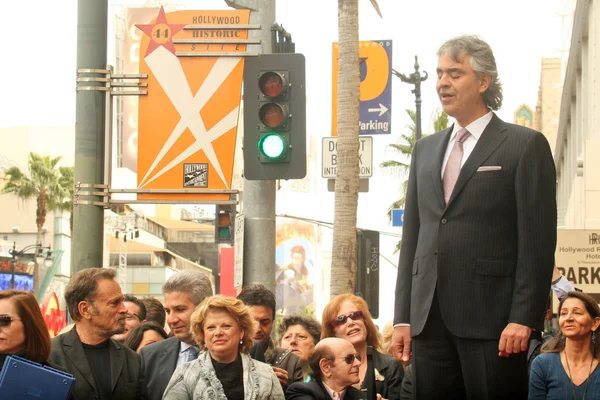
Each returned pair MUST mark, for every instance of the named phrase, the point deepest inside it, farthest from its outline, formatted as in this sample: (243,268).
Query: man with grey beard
(103,368)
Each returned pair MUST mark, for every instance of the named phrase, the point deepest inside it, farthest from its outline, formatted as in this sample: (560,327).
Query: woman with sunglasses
(22,328)
(347,316)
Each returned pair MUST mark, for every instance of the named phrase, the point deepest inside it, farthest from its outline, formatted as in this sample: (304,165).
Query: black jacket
(126,368)
(388,376)
(315,390)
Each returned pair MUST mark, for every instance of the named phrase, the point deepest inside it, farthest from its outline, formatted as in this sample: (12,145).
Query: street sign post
(365,157)
(397,217)
(238,263)
(375,87)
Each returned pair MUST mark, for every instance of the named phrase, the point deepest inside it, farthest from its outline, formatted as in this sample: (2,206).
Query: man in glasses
(136,314)
(335,364)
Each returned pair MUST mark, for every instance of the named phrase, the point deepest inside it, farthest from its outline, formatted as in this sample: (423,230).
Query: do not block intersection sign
(330,157)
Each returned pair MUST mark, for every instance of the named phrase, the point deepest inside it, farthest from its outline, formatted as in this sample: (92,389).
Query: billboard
(296,272)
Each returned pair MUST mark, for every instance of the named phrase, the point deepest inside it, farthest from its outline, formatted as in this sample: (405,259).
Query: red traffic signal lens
(272,115)
(271,84)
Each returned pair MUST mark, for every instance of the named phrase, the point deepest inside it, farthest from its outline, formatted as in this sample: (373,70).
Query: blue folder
(23,379)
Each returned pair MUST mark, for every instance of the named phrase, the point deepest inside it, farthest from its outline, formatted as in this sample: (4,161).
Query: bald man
(334,363)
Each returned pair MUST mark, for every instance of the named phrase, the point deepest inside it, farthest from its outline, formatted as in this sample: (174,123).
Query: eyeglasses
(130,316)
(341,319)
(6,320)
(349,359)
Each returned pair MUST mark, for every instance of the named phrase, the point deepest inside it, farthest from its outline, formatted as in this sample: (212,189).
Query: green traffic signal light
(272,146)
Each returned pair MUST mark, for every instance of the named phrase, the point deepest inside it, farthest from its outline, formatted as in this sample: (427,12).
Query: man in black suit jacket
(183,292)
(103,368)
(477,250)
(334,363)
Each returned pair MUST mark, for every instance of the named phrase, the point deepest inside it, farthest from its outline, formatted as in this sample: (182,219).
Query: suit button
(435,253)
(444,221)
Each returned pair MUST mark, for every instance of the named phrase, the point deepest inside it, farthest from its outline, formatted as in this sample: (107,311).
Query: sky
(38,68)
(39,61)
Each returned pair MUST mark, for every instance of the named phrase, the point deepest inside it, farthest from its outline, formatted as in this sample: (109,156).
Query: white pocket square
(489,168)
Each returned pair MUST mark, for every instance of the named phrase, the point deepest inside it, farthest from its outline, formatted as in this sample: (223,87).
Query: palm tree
(404,149)
(343,260)
(52,188)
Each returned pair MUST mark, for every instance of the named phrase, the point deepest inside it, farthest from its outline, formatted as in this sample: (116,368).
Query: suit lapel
(117,359)
(438,153)
(493,135)
(170,356)
(74,352)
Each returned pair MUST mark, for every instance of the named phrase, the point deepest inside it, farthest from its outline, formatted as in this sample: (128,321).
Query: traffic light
(274,117)
(224,223)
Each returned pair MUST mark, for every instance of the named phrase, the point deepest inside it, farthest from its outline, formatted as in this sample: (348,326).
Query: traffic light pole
(88,220)
(259,196)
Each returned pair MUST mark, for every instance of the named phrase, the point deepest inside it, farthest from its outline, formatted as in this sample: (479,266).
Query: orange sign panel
(188,120)
(374,63)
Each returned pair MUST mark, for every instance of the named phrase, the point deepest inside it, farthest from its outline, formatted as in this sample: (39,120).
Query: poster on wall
(295,273)
(578,259)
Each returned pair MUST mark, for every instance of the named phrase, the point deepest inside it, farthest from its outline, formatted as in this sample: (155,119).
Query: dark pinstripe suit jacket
(490,251)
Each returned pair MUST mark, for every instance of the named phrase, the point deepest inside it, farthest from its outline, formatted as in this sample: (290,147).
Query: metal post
(259,196)
(13,264)
(89,133)
(415,79)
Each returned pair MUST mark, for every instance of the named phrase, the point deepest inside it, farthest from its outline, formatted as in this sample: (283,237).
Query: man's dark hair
(155,311)
(315,358)
(312,326)
(83,286)
(134,338)
(132,299)
(258,295)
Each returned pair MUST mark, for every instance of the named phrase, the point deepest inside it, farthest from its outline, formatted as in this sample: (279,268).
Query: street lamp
(415,79)
(39,256)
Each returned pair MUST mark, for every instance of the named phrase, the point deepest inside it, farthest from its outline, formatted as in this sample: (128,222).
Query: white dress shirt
(475,129)
(330,391)
(183,353)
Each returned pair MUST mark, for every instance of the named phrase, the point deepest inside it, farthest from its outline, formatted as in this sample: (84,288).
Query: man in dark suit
(103,368)
(286,365)
(335,364)
(478,240)
(183,292)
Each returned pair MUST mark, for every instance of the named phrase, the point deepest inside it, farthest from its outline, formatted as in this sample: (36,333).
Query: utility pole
(415,79)
(88,219)
(259,196)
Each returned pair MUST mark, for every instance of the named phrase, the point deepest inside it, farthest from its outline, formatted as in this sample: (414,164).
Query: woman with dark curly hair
(568,365)
(145,334)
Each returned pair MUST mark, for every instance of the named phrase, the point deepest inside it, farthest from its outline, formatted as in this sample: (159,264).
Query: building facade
(578,135)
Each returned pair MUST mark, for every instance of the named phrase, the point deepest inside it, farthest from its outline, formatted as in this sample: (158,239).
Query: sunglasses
(6,320)
(341,319)
(349,359)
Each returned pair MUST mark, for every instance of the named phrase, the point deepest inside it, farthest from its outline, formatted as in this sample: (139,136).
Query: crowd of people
(475,269)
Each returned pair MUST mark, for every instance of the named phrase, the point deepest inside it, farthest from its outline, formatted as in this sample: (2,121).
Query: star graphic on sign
(161,33)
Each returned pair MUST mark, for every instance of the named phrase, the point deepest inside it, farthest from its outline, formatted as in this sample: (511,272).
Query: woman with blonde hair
(222,327)
(568,365)
(347,316)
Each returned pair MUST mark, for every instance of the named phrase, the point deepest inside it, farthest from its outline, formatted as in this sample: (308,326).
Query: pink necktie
(453,165)
(336,396)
